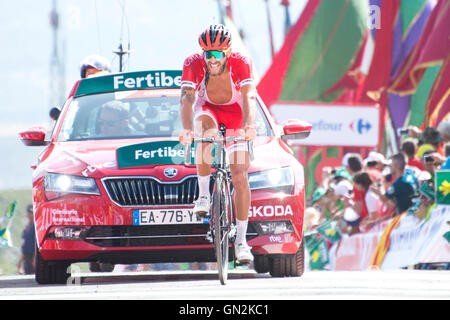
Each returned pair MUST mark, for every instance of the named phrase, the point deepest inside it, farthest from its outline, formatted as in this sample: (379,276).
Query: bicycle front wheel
(222,221)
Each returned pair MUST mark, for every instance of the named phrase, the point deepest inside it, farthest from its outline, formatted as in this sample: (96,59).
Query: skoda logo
(170,172)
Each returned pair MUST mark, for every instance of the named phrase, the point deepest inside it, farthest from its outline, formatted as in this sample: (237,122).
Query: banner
(333,124)
(413,241)
(354,253)
(384,243)
(419,241)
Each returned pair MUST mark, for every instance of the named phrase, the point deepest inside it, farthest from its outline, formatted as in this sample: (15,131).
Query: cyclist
(220,84)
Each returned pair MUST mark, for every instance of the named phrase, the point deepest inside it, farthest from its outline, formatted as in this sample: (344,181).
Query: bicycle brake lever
(187,154)
(250,150)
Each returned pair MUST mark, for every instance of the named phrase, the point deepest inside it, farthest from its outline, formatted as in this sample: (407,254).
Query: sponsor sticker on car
(151,153)
(130,81)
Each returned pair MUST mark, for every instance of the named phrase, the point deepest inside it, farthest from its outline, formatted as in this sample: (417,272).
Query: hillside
(10,256)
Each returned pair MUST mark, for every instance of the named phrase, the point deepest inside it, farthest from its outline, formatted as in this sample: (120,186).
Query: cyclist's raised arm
(248,93)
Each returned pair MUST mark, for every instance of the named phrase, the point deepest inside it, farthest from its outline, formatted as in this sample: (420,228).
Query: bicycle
(222,225)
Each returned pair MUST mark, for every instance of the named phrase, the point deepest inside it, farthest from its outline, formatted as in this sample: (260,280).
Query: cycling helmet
(215,37)
(95,61)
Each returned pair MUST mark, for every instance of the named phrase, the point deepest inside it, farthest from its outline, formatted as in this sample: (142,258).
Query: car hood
(98,158)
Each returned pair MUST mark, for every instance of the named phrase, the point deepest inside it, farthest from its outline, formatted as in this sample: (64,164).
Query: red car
(91,205)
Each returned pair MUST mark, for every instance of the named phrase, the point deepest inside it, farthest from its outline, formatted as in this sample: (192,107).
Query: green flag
(443,187)
(318,251)
(329,231)
(5,237)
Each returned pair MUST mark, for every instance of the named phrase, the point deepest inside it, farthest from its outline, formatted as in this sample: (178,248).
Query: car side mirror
(295,129)
(34,136)
(54,113)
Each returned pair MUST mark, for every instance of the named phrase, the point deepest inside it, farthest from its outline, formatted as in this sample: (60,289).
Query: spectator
(446,165)
(432,161)
(321,203)
(26,260)
(375,164)
(340,196)
(343,189)
(400,194)
(351,221)
(312,218)
(444,129)
(430,139)
(372,202)
(354,166)
(409,147)
(354,163)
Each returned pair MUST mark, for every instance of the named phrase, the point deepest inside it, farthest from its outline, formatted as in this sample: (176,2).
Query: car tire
(101,267)
(289,265)
(50,272)
(261,263)
(94,266)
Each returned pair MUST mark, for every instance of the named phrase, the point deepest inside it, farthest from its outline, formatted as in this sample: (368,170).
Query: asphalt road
(242,285)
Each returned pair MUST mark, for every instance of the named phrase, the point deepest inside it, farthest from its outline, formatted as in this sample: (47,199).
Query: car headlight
(280,179)
(57,185)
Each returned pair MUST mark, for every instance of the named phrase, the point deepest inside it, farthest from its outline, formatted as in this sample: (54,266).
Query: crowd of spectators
(364,192)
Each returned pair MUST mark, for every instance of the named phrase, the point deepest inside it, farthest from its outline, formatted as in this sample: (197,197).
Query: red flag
(270,90)
(432,48)
(438,104)
(380,68)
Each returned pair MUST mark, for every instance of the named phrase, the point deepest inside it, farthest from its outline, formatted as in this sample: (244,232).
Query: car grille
(158,235)
(138,191)
(143,236)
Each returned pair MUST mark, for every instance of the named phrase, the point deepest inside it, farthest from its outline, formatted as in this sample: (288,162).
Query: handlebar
(187,147)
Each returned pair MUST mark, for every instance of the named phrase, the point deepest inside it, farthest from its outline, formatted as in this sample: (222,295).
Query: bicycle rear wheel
(222,221)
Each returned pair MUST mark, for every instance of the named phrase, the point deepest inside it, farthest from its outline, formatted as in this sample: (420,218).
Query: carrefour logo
(360,126)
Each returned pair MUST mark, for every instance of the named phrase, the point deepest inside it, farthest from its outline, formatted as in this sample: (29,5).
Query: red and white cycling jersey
(230,113)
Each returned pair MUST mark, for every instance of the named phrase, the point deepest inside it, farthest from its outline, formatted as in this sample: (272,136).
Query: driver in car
(113,119)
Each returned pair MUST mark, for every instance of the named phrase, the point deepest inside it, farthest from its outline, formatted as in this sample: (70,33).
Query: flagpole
(287,23)
(272,49)
(221,11)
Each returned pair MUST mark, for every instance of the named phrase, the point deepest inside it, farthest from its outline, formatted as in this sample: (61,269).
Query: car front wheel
(289,265)
(50,272)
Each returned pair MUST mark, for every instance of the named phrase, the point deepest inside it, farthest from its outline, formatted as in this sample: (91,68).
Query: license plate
(165,216)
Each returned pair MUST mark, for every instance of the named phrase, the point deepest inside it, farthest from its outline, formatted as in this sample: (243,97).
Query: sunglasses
(214,53)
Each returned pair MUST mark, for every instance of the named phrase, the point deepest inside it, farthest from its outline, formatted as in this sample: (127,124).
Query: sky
(161,34)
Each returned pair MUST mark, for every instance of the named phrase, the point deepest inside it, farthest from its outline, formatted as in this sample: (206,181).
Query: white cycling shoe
(243,252)
(202,205)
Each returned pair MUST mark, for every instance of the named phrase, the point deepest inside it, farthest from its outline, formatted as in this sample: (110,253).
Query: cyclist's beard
(220,71)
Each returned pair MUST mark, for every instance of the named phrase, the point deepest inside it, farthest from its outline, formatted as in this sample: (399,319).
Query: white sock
(241,226)
(203,186)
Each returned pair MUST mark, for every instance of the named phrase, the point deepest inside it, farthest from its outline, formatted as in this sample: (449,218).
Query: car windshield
(131,114)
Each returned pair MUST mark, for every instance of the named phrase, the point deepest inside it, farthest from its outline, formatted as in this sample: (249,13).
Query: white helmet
(96,61)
